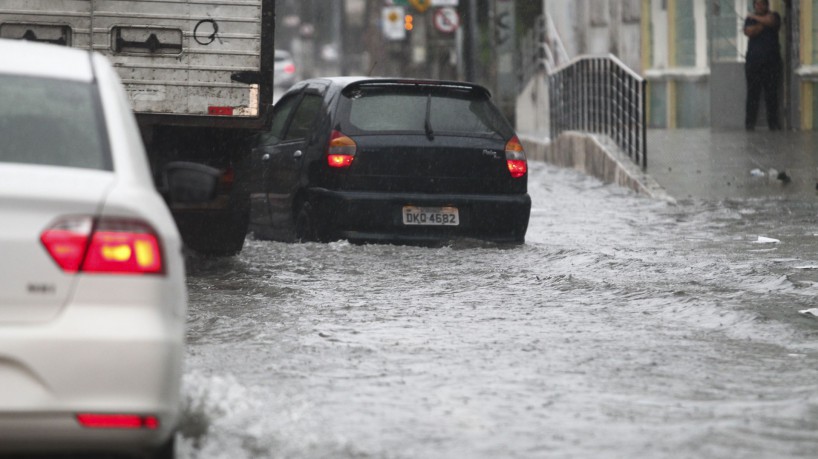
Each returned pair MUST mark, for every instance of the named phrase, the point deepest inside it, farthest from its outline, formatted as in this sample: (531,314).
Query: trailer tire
(215,234)
(166,451)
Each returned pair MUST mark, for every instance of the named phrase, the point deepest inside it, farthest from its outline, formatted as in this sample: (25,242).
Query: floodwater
(624,327)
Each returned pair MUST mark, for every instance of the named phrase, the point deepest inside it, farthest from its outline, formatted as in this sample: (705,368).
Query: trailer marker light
(219,111)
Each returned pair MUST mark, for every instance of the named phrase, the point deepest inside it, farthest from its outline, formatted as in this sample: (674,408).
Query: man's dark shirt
(764,47)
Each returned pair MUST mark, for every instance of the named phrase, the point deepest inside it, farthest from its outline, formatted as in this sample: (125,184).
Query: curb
(595,155)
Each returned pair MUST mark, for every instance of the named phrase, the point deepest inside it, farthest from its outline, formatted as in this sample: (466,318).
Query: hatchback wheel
(305,230)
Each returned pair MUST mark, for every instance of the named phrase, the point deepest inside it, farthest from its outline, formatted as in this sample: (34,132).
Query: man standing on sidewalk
(763,64)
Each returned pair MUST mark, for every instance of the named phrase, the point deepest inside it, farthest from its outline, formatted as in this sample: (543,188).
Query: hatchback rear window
(51,122)
(407,109)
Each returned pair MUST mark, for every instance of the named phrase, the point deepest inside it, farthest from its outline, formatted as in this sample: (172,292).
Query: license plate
(438,216)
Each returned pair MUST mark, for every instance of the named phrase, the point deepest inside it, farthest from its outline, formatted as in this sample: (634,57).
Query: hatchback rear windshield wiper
(428,124)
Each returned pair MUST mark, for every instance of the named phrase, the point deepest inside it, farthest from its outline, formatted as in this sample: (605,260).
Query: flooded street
(624,327)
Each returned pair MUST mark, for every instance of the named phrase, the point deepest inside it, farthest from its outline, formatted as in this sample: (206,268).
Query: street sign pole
(471,67)
(505,46)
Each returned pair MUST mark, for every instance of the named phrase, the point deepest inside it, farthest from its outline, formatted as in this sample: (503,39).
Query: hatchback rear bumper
(370,216)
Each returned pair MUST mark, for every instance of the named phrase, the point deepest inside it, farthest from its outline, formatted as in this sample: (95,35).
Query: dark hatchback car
(390,160)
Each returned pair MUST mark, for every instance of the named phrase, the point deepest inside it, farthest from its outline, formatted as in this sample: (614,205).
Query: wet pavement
(625,327)
(712,164)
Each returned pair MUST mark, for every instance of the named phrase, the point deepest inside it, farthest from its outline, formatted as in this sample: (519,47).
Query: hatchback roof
(355,81)
(43,60)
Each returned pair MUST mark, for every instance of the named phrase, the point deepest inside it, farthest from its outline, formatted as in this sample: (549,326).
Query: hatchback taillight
(107,245)
(341,150)
(515,158)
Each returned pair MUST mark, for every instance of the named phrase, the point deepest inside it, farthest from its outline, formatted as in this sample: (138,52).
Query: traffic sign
(392,22)
(446,20)
(421,5)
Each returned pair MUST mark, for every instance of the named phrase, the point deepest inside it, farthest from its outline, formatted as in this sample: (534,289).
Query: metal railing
(600,95)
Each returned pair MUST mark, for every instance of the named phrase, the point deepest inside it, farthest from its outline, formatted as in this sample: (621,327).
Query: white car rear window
(51,122)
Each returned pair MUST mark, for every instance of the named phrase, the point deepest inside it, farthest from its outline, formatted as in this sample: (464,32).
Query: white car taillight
(107,245)
(117,421)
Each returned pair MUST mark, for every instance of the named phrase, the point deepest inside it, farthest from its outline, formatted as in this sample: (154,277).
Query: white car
(284,71)
(92,277)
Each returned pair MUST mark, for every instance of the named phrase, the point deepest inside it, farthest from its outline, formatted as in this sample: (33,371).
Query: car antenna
(372,69)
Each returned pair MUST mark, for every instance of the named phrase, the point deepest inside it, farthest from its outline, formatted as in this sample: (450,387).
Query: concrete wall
(599,27)
(586,27)
(596,27)
(728,91)
(531,111)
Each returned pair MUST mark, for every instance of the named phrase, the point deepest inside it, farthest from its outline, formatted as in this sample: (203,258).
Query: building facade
(693,58)
(691,52)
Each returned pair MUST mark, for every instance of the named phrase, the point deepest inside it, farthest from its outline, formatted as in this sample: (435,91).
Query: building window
(685,34)
(726,43)
(814,32)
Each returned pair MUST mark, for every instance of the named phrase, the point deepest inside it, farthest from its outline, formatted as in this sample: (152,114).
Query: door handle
(297,154)
(265,157)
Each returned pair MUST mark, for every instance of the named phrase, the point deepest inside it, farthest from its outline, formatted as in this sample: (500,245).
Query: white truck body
(175,57)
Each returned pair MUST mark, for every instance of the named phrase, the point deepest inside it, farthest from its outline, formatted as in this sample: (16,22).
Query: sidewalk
(712,164)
